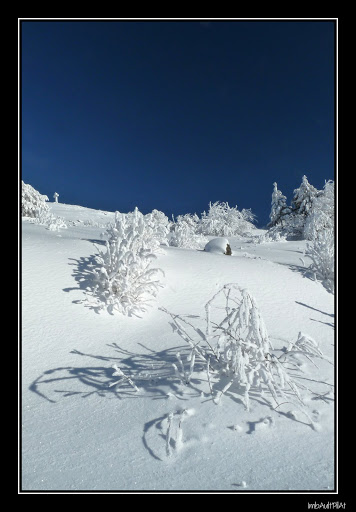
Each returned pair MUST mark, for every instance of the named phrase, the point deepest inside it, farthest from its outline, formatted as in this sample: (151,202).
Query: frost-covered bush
(223,220)
(160,226)
(35,208)
(185,233)
(48,220)
(123,278)
(193,221)
(33,203)
(90,223)
(319,229)
(322,213)
(153,228)
(274,234)
(235,351)
(322,253)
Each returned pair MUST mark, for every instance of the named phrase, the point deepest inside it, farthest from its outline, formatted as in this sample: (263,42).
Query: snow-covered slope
(80,433)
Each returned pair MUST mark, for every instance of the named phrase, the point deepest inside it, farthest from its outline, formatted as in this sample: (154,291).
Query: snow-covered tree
(191,219)
(185,233)
(160,226)
(319,229)
(33,203)
(35,208)
(322,253)
(294,221)
(223,220)
(55,197)
(322,214)
(123,278)
(303,198)
(279,208)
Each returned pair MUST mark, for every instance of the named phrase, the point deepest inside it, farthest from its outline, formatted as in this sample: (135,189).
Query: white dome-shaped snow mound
(218,246)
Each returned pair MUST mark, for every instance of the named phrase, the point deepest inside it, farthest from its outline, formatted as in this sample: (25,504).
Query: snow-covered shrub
(234,348)
(185,234)
(319,229)
(322,213)
(274,234)
(223,220)
(90,223)
(191,219)
(322,253)
(33,203)
(153,228)
(123,378)
(123,278)
(160,226)
(48,220)
(35,208)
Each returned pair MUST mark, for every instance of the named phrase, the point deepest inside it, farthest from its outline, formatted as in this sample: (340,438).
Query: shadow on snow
(153,374)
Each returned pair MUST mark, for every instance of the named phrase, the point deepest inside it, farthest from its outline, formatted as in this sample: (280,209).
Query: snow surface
(79,433)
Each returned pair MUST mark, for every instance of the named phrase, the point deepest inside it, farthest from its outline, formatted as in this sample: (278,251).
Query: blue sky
(174,114)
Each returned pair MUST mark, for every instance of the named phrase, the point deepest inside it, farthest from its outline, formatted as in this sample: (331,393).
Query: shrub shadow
(151,372)
(82,273)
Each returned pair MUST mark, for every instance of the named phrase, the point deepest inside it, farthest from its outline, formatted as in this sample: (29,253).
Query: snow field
(80,433)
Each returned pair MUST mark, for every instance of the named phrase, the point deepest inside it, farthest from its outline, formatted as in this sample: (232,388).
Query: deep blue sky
(171,115)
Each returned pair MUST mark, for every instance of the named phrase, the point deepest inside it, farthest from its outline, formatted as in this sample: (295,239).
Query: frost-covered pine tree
(300,209)
(303,198)
(33,203)
(279,208)
(123,278)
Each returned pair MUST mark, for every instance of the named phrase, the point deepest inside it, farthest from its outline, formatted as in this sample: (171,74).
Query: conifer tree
(279,207)
(303,198)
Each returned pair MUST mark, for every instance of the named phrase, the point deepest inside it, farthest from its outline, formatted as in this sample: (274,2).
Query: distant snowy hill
(150,431)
